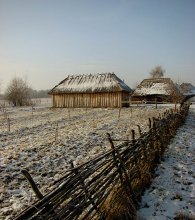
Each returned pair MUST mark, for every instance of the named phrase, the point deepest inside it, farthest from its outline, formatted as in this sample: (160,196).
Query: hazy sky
(46,40)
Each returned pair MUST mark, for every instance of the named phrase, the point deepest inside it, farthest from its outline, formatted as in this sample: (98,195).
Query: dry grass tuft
(183,216)
(119,206)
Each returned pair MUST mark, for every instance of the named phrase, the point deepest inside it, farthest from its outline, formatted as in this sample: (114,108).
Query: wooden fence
(109,186)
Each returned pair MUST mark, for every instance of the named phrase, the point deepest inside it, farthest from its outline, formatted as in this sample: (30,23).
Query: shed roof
(91,83)
(156,86)
(187,89)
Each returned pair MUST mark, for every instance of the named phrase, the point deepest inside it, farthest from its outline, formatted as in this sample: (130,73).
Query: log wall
(89,100)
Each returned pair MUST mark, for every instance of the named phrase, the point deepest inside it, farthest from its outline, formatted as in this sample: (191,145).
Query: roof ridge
(99,82)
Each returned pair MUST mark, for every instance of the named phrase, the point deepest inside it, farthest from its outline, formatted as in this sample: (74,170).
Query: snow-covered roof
(91,83)
(155,86)
(187,89)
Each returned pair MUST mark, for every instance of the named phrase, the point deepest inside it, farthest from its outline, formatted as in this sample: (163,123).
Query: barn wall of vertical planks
(91,91)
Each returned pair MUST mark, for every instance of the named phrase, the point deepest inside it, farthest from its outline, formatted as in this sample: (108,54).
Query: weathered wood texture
(89,100)
(96,189)
(157,89)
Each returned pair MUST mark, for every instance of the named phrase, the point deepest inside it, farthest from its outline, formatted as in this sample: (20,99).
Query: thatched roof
(187,89)
(91,83)
(156,86)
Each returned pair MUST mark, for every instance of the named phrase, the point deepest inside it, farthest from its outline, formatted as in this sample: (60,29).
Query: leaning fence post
(86,191)
(121,167)
(115,157)
(39,195)
(32,184)
(112,146)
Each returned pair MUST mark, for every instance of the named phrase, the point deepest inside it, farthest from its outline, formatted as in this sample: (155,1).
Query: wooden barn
(91,91)
(157,89)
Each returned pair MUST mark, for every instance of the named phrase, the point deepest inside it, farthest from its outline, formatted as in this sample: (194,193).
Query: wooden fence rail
(96,189)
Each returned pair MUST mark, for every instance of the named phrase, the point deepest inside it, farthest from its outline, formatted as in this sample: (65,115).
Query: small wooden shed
(90,91)
(157,89)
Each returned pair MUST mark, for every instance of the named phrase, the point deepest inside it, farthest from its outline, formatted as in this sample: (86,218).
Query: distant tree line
(39,93)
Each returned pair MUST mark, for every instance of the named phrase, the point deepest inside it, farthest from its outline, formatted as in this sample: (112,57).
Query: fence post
(32,184)
(48,207)
(119,113)
(139,130)
(157,141)
(86,191)
(121,167)
(68,112)
(150,123)
(115,157)
(154,123)
(8,124)
(32,108)
(133,135)
(56,133)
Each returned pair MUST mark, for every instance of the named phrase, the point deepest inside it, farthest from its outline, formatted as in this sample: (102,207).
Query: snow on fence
(109,186)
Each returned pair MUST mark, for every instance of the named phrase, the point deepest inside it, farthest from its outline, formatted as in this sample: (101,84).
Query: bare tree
(157,72)
(175,94)
(17,92)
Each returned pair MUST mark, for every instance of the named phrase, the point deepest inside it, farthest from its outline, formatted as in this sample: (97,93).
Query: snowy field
(35,102)
(44,141)
(172,192)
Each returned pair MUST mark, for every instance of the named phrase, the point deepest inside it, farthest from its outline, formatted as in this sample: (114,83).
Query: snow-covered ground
(44,141)
(173,189)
